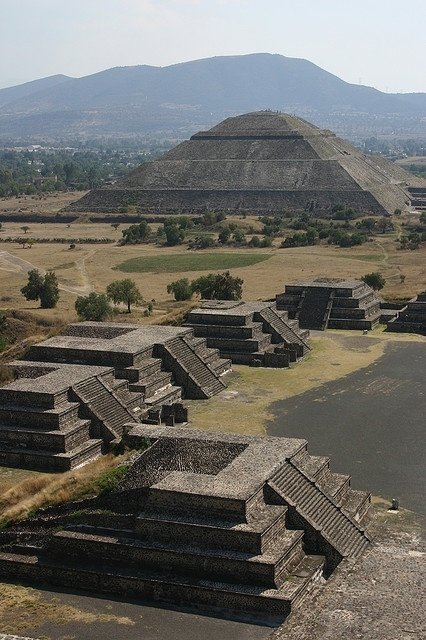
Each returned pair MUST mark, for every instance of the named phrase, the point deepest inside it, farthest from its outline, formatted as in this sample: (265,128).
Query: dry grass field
(92,267)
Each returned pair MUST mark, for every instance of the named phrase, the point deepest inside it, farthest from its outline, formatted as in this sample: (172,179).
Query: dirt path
(15,264)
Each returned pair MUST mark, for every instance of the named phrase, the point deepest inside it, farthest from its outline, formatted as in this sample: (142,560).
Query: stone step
(149,385)
(104,405)
(16,436)
(313,466)
(34,418)
(44,460)
(254,536)
(268,569)
(238,600)
(335,485)
(168,395)
(356,503)
(229,345)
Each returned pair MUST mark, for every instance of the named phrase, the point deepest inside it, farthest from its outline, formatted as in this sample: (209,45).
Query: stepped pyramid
(235,525)
(331,303)
(412,318)
(74,393)
(258,162)
(253,333)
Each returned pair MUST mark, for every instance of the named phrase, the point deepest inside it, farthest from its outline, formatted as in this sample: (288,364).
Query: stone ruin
(253,333)
(412,318)
(235,525)
(263,162)
(332,303)
(74,393)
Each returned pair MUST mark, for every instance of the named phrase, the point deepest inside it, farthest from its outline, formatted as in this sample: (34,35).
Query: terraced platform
(240,526)
(254,333)
(74,393)
(331,303)
(412,319)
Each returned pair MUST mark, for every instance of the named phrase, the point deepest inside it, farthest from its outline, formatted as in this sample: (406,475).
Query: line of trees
(97,306)
(219,286)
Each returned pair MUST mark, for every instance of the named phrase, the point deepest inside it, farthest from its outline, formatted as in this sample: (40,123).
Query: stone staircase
(315,309)
(281,330)
(190,370)
(104,405)
(312,506)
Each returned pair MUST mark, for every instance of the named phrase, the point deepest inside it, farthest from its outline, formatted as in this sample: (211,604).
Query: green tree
(45,289)
(95,307)
(375,280)
(224,235)
(124,291)
(136,233)
(174,235)
(181,289)
(49,293)
(220,286)
(31,291)
(25,228)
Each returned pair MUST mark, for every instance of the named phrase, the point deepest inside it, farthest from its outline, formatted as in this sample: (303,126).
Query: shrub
(375,280)
(95,307)
(181,289)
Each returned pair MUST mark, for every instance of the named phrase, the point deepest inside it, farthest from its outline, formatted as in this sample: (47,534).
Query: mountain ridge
(179,98)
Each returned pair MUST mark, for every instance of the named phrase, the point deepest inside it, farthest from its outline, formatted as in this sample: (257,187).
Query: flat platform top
(231,308)
(259,459)
(113,337)
(332,283)
(51,378)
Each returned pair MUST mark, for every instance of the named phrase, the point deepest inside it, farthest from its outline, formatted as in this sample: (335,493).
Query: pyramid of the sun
(259,162)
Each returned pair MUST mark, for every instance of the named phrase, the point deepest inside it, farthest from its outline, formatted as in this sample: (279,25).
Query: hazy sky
(381,43)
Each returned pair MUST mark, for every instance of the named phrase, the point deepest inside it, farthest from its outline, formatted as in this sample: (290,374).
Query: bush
(136,233)
(181,289)
(95,307)
(221,286)
(375,280)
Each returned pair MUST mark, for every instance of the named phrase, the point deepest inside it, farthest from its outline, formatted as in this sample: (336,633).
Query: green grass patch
(181,262)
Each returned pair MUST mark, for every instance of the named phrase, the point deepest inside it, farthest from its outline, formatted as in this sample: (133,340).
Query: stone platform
(412,319)
(74,393)
(239,526)
(331,303)
(253,333)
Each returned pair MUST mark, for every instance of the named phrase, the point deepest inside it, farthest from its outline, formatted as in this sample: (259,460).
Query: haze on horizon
(379,43)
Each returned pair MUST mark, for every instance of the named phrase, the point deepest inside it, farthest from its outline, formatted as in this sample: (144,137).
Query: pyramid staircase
(333,529)
(104,406)
(315,308)
(282,330)
(190,370)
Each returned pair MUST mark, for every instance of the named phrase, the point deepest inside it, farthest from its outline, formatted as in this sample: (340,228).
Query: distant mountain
(174,101)
(11,94)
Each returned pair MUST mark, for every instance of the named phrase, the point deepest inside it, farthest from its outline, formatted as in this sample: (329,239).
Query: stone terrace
(232,524)
(332,303)
(74,392)
(412,319)
(254,333)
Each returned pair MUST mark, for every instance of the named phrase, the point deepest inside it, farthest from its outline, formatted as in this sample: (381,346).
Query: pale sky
(381,43)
